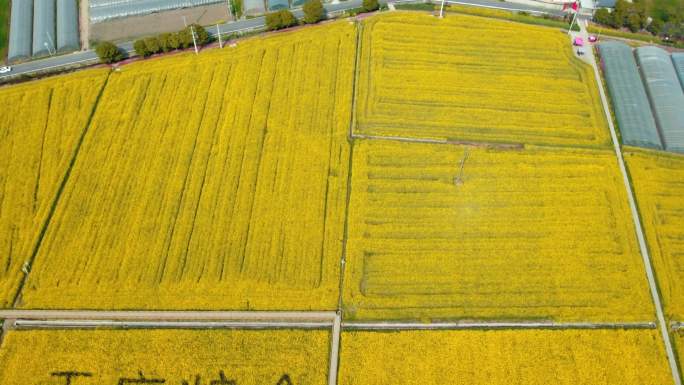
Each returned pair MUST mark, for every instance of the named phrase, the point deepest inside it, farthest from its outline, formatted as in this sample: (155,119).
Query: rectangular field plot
(41,125)
(543,234)
(658,181)
(210,182)
(466,78)
(504,357)
(179,357)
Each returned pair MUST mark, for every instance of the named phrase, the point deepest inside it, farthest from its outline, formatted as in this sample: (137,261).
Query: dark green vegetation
(667,18)
(108,52)
(313,11)
(279,20)
(171,41)
(4,28)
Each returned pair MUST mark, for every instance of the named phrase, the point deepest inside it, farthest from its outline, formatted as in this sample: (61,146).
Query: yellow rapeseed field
(180,357)
(504,357)
(41,124)
(475,79)
(210,182)
(444,231)
(658,181)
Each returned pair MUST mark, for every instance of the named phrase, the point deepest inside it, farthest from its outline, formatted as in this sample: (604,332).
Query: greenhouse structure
(67,26)
(275,5)
(43,27)
(665,93)
(21,30)
(103,10)
(253,7)
(630,102)
(678,60)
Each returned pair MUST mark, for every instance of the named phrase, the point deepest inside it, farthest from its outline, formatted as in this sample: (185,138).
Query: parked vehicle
(5,69)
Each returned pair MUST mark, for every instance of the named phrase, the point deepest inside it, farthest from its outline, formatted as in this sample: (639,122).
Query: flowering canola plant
(209,182)
(41,125)
(474,79)
(452,232)
(658,181)
(198,357)
(504,357)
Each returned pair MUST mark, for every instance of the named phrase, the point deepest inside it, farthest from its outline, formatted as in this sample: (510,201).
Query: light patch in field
(540,234)
(504,357)
(41,125)
(658,180)
(210,182)
(256,357)
(475,79)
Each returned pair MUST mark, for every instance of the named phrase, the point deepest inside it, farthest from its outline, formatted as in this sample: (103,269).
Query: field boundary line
(335,349)
(645,255)
(494,325)
(95,324)
(167,316)
(38,240)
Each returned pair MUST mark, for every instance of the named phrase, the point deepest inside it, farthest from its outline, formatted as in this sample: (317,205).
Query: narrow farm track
(650,272)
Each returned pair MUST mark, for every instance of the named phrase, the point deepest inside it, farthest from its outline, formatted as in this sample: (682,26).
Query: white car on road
(5,69)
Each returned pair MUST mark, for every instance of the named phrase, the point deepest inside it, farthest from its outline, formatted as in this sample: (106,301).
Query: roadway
(82,58)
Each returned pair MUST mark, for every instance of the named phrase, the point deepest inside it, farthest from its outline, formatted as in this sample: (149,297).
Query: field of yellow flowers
(474,79)
(443,231)
(658,180)
(41,126)
(198,357)
(502,357)
(212,182)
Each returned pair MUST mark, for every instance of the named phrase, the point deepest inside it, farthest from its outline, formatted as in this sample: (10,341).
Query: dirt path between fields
(84,24)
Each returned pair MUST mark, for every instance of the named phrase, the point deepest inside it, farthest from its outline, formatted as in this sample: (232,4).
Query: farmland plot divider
(650,272)
(494,325)
(168,316)
(53,206)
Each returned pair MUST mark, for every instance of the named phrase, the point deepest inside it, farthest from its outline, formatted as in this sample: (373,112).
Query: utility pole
(218,32)
(574,17)
(185,22)
(194,41)
(441,10)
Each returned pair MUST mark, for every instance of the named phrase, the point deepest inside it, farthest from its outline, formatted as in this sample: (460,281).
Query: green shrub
(370,5)
(281,19)
(108,52)
(152,45)
(140,48)
(313,11)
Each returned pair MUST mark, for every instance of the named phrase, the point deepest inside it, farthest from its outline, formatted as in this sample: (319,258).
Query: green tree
(655,27)
(152,45)
(634,22)
(164,42)
(281,19)
(603,16)
(108,52)
(273,21)
(313,11)
(174,41)
(140,48)
(201,35)
(184,38)
(370,5)
(236,6)
(287,19)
